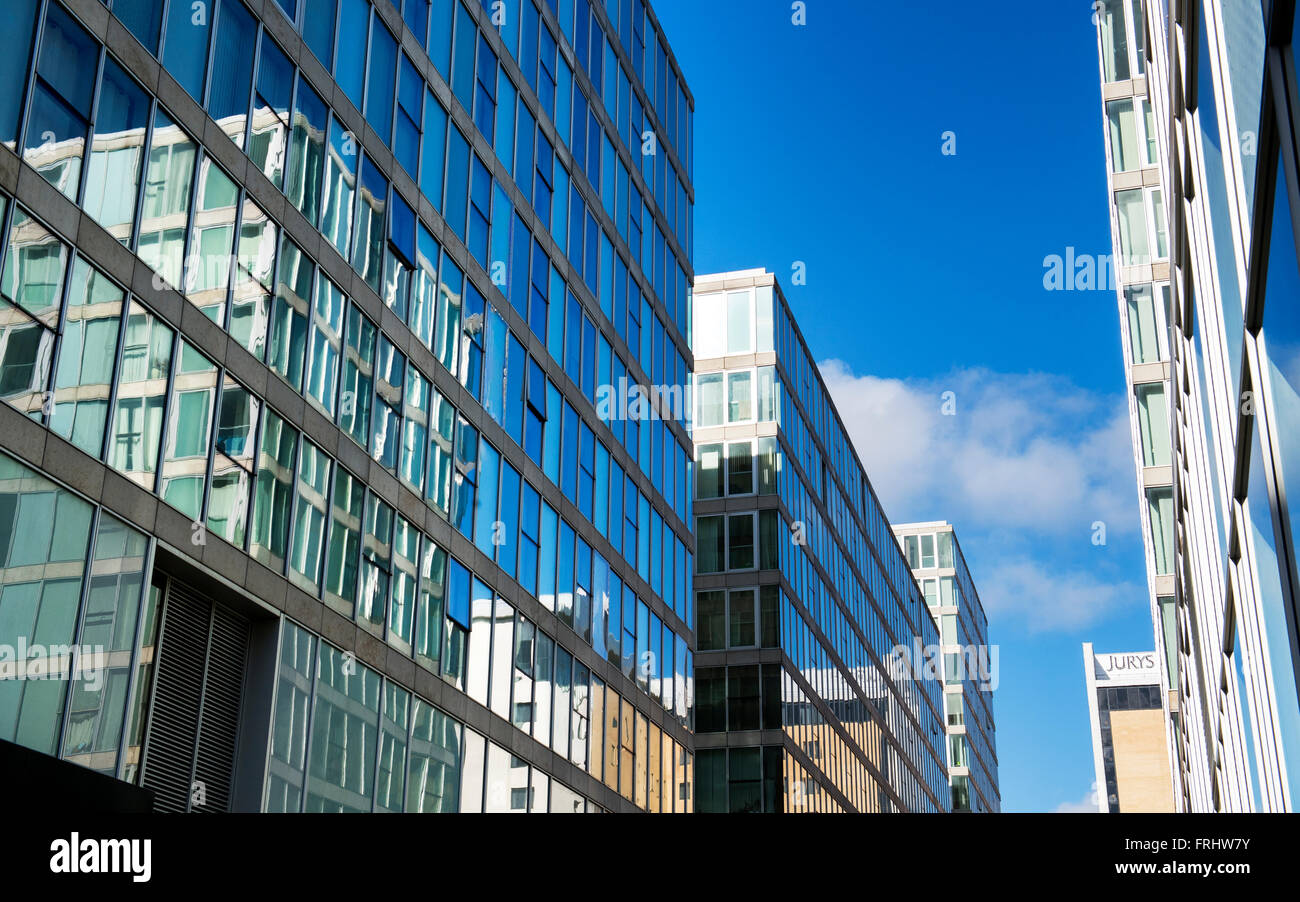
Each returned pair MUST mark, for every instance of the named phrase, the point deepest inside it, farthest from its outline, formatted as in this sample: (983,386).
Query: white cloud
(1030,452)
(1086,805)
(1045,597)
(1023,469)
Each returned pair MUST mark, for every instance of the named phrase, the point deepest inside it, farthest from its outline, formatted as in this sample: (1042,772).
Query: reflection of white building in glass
(801,594)
(1203,189)
(936,559)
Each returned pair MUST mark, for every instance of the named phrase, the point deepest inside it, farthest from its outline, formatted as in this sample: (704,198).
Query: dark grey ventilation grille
(219,732)
(194,725)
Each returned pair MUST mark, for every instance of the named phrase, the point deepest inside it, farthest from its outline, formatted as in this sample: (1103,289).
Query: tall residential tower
(1200,100)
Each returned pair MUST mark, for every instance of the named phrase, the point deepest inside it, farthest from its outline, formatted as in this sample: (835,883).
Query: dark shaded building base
(36,782)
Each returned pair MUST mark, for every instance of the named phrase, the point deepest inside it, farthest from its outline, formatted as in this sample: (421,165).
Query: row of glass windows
(856,517)
(859,582)
(841,763)
(741,780)
(738,618)
(443,308)
(921,550)
(1123,39)
(529,679)
(741,468)
(386,86)
(902,708)
(202,441)
(1143,228)
(351,371)
(80,629)
(504,677)
(1147,322)
(732,322)
(345,739)
(1132,130)
(746,541)
(501,114)
(737,396)
(738,698)
(768,779)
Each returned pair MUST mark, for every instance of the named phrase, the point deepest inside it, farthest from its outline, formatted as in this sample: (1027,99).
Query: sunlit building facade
(970,662)
(306,502)
(1199,111)
(802,593)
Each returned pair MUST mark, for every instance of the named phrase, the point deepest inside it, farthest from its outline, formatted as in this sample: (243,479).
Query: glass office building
(1199,115)
(970,663)
(802,593)
(306,502)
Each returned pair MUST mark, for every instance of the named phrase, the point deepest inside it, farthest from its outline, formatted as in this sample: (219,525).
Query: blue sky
(823,144)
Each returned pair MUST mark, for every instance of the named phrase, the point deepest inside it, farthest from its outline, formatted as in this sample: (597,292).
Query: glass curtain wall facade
(802,594)
(1219,79)
(324,296)
(969,668)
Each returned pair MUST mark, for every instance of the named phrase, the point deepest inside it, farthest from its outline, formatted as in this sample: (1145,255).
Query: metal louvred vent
(219,732)
(189,749)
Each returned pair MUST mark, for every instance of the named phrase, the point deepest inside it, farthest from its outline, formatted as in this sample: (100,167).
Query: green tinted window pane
(273,496)
(169,180)
(142,385)
(34,268)
(311,509)
(117,152)
(87,354)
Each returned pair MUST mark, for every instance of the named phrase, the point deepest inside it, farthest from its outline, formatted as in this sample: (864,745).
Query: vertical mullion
(74,657)
(26,107)
(98,88)
(146,585)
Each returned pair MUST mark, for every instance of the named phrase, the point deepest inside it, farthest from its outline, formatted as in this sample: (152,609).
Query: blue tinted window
(406,130)
(186,52)
(485,90)
(569,443)
(142,17)
(368,250)
(232,69)
(551,437)
(402,229)
(318,29)
(509,519)
(462,76)
(480,208)
(546,562)
(564,575)
(458,592)
(68,59)
(416,15)
(15,53)
(516,374)
(350,67)
(456,201)
(485,504)
(380,86)
(433,150)
(274,77)
(440,36)
(307,152)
